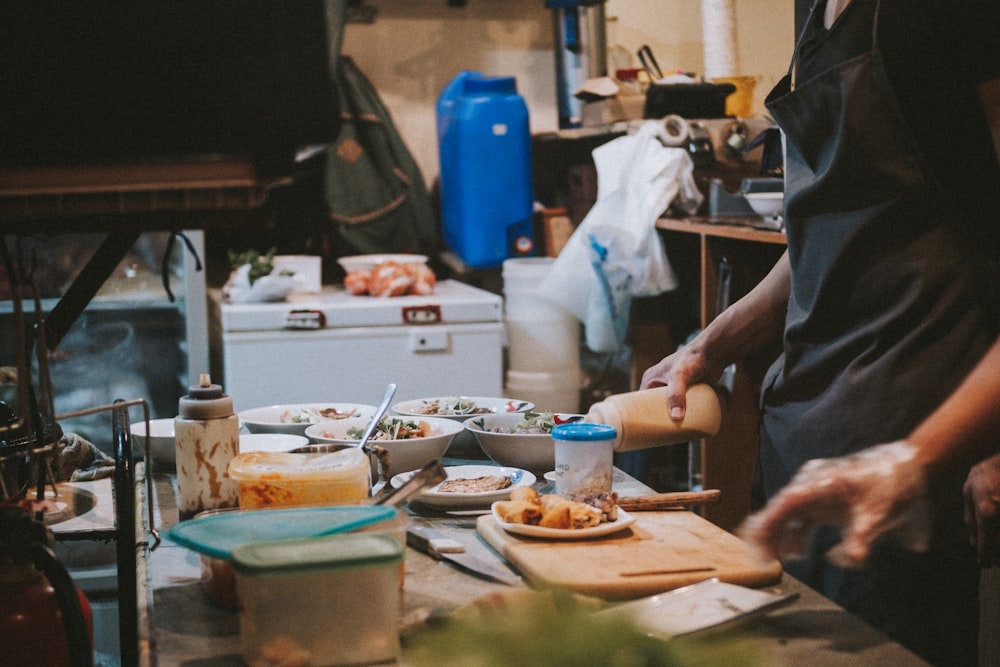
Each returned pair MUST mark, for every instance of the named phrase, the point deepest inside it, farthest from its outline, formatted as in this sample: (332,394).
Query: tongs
(649,63)
(431,474)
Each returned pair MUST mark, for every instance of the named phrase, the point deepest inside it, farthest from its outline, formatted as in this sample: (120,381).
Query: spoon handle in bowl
(390,391)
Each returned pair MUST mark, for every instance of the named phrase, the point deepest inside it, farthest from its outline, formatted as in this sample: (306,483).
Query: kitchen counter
(188,630)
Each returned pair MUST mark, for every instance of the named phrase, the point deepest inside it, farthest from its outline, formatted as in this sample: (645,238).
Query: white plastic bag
(616,254)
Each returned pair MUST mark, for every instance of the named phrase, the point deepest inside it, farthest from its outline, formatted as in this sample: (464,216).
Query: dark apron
(889,306)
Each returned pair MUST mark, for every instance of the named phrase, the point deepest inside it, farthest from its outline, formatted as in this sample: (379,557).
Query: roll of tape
(677,130)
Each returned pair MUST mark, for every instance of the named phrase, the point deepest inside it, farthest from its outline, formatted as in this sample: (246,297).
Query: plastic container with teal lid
(215,533)
(324,601)
(584,456)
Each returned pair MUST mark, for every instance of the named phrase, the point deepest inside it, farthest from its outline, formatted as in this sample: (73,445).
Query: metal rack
(121,201)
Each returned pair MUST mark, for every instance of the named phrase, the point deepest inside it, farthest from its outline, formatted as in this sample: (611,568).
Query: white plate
(707,604)
(449,500)
(624,521)
(278,418)
(415,407)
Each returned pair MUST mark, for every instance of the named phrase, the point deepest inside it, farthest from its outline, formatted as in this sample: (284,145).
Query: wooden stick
(663,501)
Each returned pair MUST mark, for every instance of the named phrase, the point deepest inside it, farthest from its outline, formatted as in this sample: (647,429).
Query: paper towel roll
(718,21)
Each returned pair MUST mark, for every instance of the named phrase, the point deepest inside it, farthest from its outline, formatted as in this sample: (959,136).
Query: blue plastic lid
(584,431)
(216,535)
(491,84)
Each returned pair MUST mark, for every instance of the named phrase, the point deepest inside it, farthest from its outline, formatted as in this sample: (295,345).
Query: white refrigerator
(337,347)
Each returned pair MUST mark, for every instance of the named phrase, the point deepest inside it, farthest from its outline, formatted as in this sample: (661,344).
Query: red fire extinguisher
(45,619)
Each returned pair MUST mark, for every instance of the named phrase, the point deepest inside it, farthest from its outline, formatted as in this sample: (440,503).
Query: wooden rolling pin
(666,501)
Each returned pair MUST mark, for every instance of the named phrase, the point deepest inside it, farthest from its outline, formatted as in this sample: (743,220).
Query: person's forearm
(966,427)
(751,323)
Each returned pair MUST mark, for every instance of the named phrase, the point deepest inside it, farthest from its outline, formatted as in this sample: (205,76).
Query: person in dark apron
(886,297)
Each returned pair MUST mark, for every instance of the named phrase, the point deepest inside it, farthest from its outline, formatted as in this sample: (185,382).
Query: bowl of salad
(519,440)
(295,418)
(459,408)
(410,441)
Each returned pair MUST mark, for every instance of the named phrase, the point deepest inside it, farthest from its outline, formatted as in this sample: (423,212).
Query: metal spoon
(323,447)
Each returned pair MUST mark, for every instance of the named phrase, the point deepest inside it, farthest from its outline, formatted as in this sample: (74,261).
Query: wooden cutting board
(659,552)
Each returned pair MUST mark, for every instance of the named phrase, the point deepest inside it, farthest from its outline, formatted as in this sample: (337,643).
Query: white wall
(415,47)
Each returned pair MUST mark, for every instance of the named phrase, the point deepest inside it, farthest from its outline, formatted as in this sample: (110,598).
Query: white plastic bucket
(541,336)
(558,391)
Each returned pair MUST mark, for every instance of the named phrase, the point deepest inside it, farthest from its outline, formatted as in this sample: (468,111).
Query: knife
(438,546)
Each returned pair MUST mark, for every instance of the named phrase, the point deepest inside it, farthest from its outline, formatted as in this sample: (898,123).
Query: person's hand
(982,510)
(677,371)
(876,494)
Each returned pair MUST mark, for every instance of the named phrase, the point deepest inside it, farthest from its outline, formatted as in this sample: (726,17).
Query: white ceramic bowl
(161,441)
(271,442)
(530,451)
(369,262)
(416,407)
(768,205)
(404,455)
(295,417)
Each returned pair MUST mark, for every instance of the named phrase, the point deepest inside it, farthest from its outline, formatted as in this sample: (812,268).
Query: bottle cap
(583,431)
(205,401)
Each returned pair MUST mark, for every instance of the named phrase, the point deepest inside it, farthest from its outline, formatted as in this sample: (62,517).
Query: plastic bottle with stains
(207,435)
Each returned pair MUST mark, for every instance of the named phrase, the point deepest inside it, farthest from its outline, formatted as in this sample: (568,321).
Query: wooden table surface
(189,631)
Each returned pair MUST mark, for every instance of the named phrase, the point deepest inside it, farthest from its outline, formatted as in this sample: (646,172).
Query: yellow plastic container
(740,102)
(278,479)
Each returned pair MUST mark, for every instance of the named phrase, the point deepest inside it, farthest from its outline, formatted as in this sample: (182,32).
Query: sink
(71,502)
(82,507)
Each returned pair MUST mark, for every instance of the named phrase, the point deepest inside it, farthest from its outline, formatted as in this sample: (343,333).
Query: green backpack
(374,191)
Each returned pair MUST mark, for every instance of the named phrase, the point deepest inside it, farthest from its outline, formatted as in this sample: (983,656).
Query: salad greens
(394,428)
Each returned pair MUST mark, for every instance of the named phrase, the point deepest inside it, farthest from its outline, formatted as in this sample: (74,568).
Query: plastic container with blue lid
(584,454)
(325,601)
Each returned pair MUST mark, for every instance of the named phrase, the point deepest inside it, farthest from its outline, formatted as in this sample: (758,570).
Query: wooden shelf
(742,229)
(141,196)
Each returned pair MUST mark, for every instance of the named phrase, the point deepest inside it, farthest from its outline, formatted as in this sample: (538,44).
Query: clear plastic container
(280,479)
(584,459)
(214,534)
(324,601)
